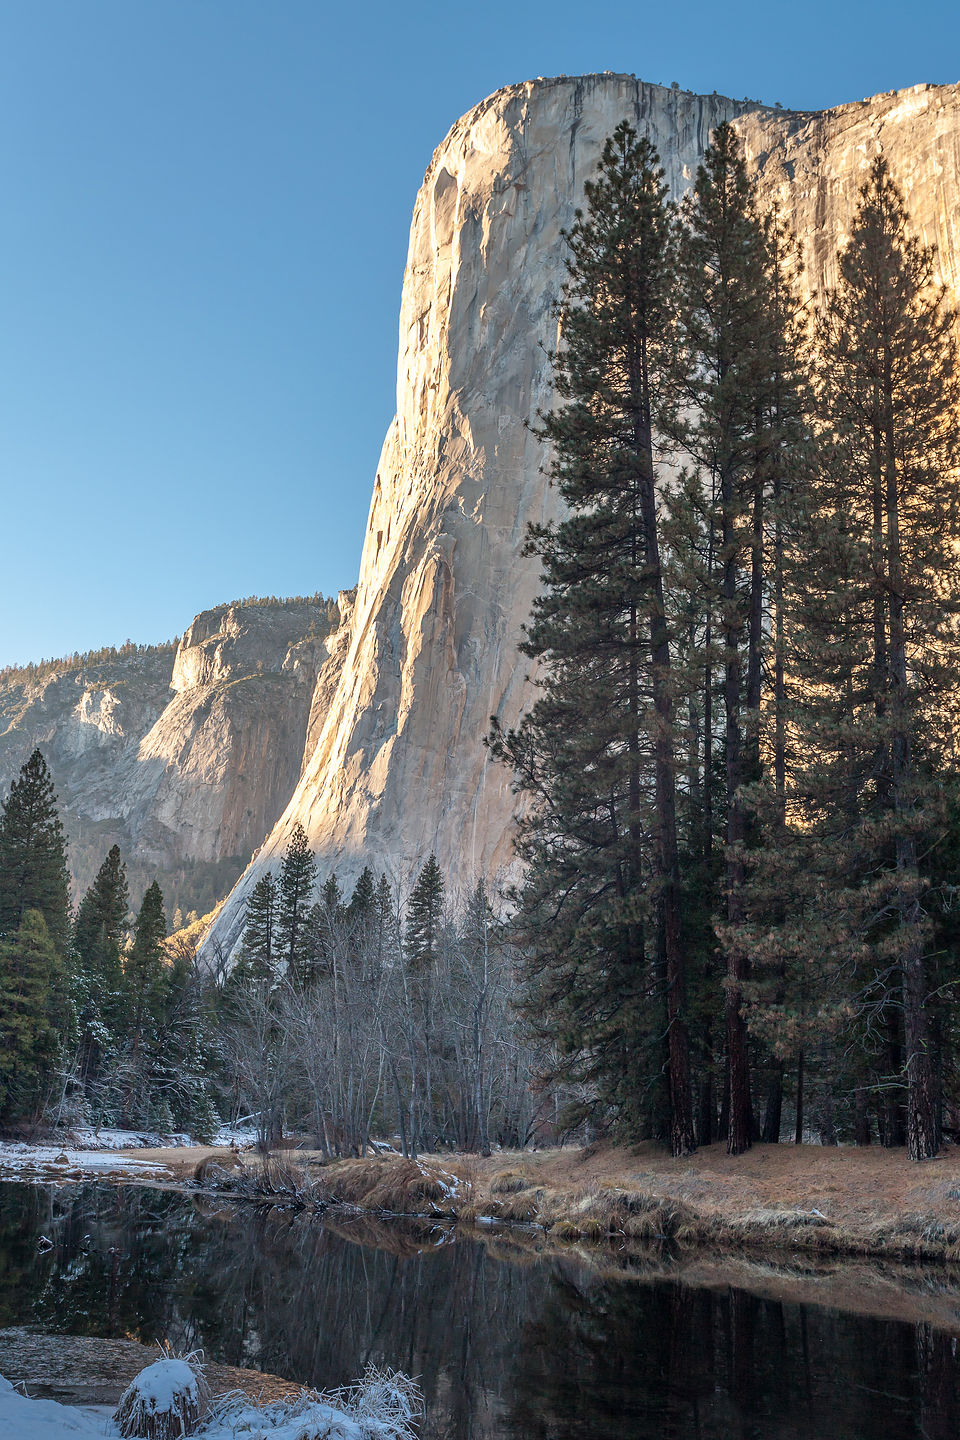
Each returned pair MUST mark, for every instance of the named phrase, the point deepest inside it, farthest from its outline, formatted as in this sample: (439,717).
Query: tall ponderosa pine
(298,875)
(738,417)
(598,751)
(33,865)
(889,401)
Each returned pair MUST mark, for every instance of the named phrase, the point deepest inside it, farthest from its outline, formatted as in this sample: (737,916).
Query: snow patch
(17,1160)
(87,1138)
(384,1405)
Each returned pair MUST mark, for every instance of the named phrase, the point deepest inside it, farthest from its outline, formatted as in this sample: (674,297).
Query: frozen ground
(25,1162)
(87,1138)
(381,1407)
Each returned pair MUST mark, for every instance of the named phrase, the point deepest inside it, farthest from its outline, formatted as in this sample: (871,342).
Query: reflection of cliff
(184,756)
(397,767)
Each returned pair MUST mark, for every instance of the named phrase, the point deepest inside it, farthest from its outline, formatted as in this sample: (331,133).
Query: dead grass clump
(404,1185)
(928,1229)
(215,1170)
(785,1218)
(508,1182)
(478,1210)
(524,1206)
(280,1179)
(166,1401)
(350,1180)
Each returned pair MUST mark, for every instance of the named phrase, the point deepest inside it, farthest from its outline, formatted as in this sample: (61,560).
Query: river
(506,1343)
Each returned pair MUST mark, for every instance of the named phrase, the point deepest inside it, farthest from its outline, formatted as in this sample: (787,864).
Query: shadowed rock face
(184,757)
(397,767)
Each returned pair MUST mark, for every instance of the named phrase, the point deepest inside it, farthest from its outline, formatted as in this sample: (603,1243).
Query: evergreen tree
(99,932)
(738,415)
(298,874)
(144,968)
(362,907)
(873,660)
(598,751)
(33,1015)
(33,865)
(890,394)
(425,913)
(257,959)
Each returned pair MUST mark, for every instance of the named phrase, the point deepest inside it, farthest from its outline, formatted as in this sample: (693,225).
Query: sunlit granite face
(395,766)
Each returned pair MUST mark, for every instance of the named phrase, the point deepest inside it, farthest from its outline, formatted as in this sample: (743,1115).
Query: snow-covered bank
(383,1406)
(88,1138)
(20,1161)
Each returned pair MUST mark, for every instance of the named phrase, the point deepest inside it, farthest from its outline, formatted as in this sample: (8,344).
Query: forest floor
(838,1200)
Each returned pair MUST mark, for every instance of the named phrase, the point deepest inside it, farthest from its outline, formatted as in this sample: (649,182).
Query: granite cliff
(183,754)
(395,765)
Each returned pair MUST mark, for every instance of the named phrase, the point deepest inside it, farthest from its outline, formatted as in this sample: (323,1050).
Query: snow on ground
(234,1135)
(18,1161)
(87,1138)
(382,1406)
(23,1419)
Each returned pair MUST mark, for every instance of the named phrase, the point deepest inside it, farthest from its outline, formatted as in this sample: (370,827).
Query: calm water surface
(543,1349)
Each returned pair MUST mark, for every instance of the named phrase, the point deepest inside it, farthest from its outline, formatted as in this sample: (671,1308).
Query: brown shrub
(508,1182)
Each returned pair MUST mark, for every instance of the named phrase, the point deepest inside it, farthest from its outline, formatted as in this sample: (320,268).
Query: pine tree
(33,865)
(33,1015)
(98,935)
(298,874)
(144,971)
(737,414)
(598,751)
(889,398)
(425,913)
(145,982)
(258,950)
(362,905)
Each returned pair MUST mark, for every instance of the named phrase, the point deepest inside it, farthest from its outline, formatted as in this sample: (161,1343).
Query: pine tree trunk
(682,1137)
(739,1137)
(798,1127)
(923,1136)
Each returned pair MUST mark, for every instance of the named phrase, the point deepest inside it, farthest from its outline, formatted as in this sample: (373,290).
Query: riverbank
(865,1202)
(835,1201)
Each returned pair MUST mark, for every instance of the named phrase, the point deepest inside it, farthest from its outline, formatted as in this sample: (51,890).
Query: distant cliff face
(397,767)
(185,757)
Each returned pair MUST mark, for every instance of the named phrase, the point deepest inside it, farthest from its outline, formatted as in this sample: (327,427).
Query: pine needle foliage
(597,752)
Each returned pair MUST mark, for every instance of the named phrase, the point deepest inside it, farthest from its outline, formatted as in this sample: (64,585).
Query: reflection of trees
(534,1351)
(634,1362)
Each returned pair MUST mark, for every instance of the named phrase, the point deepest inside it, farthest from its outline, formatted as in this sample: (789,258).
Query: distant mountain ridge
(183,753)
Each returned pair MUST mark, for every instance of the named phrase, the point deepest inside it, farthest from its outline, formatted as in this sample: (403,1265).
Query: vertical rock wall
(398,767)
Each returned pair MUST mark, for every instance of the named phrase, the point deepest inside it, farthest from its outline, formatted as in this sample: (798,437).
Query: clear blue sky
(204,207)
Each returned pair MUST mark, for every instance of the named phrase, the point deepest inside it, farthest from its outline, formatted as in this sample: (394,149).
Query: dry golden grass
(805,1198)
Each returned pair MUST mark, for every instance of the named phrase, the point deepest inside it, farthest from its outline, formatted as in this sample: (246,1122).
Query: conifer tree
(257,959)
(144,967)
(362,905)
(99,932)
(33,865)
(425,913)
(889,395)
(33,1014)
(298,874)
(598,751)
(738,413)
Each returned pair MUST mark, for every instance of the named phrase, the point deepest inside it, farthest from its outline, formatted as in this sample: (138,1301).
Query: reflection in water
(544,1350)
